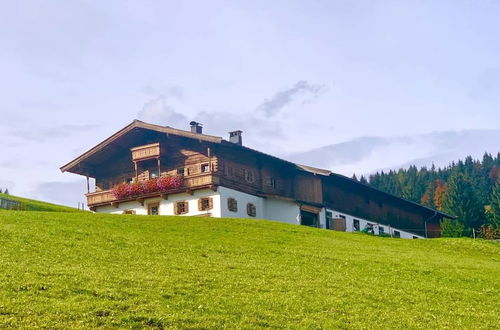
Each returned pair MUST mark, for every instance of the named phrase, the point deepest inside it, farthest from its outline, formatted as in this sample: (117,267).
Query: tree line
(468,189)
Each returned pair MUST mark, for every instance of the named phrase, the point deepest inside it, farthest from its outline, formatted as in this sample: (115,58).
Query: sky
(352,86)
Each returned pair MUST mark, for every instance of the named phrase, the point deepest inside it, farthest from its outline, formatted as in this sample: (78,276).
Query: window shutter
(211,203)
(200,204)
(186,207)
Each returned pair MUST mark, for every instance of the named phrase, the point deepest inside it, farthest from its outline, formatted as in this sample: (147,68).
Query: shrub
(452,228)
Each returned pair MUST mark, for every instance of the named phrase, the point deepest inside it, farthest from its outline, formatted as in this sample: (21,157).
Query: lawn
(34,205)
(62,270)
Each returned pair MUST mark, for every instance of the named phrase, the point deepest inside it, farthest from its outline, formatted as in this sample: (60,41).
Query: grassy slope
(86,270)
(34,205)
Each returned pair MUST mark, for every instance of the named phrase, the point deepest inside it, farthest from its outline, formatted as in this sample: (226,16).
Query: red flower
(166,183)
(150,186)
(121,191)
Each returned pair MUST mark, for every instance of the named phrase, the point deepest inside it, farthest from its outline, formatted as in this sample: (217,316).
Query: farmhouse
(159,170)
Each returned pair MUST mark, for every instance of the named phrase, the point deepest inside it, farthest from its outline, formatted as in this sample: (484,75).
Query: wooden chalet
(223,178)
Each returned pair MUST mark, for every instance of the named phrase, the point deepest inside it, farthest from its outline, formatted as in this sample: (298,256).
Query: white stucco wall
(243,199)
(363,223)
(167,206)
(281,210)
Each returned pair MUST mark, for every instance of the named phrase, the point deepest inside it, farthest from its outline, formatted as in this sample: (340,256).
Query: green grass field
(83,270)
(34,205)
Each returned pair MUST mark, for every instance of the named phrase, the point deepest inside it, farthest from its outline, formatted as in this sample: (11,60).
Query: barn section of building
(223,178)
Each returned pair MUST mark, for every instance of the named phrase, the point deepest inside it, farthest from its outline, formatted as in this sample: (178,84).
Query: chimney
(196,127)
(235,137)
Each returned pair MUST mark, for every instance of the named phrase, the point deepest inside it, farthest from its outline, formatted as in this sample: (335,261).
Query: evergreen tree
(6,192)
(363,180)
(493,211)
(354,177)
(463,201)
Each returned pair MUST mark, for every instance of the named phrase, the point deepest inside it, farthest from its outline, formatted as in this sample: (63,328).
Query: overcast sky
(367,84)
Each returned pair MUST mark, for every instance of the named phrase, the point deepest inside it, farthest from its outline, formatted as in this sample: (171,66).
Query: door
(154,209)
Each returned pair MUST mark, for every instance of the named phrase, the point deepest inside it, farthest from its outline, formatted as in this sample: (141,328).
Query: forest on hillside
(468,189)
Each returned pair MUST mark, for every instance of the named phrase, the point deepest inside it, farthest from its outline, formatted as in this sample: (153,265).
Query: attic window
(205,168)
(228,171)
(249,176)
(232,204)
(251,210)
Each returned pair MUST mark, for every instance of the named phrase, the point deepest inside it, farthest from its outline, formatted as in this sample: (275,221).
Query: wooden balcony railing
(189,183)
(146,152)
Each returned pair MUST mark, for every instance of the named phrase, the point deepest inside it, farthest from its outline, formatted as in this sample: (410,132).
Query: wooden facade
(142,151)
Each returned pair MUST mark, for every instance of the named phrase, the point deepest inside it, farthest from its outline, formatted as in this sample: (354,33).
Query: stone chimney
(235,137)
(196,127)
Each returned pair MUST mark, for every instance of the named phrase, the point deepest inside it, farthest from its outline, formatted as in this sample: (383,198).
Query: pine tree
(493,212)
(6,192)
(354,177)
(462,201)
(363,180)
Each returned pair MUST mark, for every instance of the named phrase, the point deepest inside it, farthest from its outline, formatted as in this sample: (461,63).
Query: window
(153,209)
(249,176)
(397,234)
(205,168)
(205,204)
(342,216)
(415,237)
(381,230)
(251,210)
(181,171)
(355,225)
(232,204)
(181,208)
(154,174)
(129,212)
(228,171)
(272,183)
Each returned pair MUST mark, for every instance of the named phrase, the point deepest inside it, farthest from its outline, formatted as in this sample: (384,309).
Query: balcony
(189,184)
(148,151)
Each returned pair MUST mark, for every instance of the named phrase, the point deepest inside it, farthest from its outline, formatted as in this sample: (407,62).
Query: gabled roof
(138,124)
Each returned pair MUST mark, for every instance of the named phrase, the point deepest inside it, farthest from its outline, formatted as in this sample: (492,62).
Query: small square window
(251,210)
(232,204)
(181,208)
(205,204)
(181,171)
(205,168)
(397,234)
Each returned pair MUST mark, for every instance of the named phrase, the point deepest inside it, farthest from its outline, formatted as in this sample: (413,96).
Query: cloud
(158,111)
(174,91)
(368,154)
(41,134)
(278,101)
